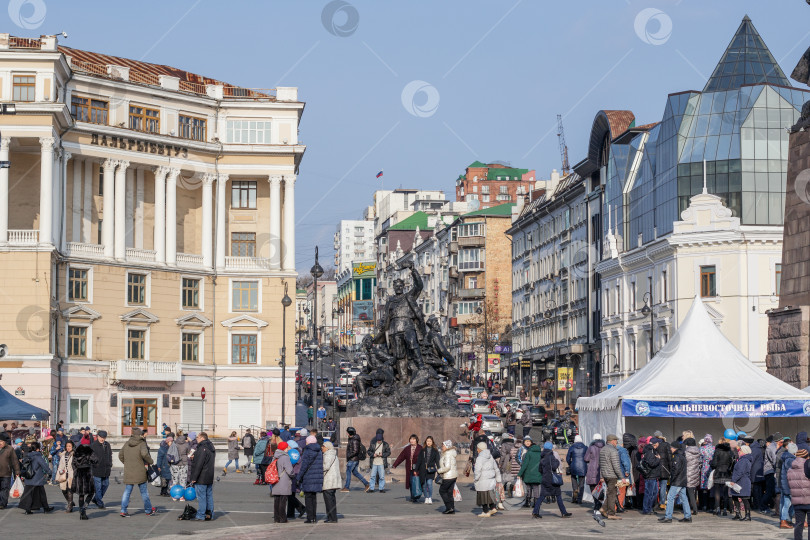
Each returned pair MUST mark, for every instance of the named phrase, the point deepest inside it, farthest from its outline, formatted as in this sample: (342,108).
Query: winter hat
(5,437)
(303,432)
(745,449)
(137,432)
(312,439)
(283,446)
(792,448)
(690,442)
(276,432)
(482,446)
(708,438)
(658,434)
(777,436)
(597,436)
(102,434)
(676,445)
(17,441)
(655,440)
(350,430)
(577,438)
(612,437)
(292,444)
(192,435)
(328,445)
(547,445)
(448,443)
(527,438)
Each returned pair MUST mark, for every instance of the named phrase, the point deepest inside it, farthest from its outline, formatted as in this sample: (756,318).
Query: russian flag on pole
(379,174)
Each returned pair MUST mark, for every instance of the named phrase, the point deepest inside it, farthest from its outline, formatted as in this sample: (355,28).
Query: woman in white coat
(448,469)
(487,476)
(331,480)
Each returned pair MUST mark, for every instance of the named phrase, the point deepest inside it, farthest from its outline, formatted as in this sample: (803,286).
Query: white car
(492,423)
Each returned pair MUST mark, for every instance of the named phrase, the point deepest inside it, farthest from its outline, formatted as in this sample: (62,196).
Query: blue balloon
(177,491)
(191,494)
(741,435)
(295,455)
(730,434)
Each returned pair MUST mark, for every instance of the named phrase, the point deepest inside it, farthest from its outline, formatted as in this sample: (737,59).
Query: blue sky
(495,75)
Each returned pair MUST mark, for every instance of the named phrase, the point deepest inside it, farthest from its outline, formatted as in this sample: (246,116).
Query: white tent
(699,380)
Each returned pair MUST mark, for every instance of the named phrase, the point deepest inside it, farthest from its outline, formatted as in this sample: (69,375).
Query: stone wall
(788,355)
(795,290)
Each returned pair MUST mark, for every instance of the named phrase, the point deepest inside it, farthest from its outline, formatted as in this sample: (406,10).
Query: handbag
(630,492)
(61,476)
(556,479)
(152,473)
(710,480)
(416,488)
(501,492)
(456,494)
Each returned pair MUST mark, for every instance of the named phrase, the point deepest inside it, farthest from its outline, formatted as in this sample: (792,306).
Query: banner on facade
(565,378)
(364,270)
(493,363)
(716,409)
(363,310)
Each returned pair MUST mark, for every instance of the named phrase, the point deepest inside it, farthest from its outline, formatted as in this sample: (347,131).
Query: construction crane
(563,147)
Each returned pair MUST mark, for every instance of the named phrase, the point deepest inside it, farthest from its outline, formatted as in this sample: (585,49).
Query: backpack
(362,453)
(644,468)
(496,454)
(27,468)
(173,455)
(188,514)
(271,474)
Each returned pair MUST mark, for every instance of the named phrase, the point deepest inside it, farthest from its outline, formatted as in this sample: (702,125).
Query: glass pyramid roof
(747,60)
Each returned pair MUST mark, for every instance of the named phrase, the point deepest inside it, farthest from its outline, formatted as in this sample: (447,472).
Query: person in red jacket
(409,455)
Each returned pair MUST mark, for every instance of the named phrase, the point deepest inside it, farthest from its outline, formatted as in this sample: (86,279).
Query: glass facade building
(737,125)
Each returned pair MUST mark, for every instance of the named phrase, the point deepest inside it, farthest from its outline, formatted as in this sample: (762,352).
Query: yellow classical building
(146,241)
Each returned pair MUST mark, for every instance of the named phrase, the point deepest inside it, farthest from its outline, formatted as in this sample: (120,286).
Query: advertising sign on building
(367,269)
(363,310)
(565,378)
(493,363)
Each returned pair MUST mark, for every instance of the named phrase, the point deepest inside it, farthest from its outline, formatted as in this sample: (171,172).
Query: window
(191,293)
(136,289)
(503,190)
(472,197)
(664,292)
(778,279)
(485,190)
(248,132)
(243,194)
(24,88)
(189,127)
(506,197)
(190,348)
(100,223)
(467,308)
(77,342)
(243,244)
(633,296)
(470,259)
(484,198)
(90,110)
(472,282)
(136,344)
(635,355)
(708,282)
(79,411)
(77,284)
(471,229)
(245,296)
(143,119)
(243,348)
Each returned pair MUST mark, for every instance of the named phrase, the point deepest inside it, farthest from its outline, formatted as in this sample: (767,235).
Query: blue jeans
(662,487)
(351,469)
(377,477)
(673,494)
(785,507)
(54,467)
(428,488)
(205,498)
(229,462)
(147,503)
(101,488)
(650,492)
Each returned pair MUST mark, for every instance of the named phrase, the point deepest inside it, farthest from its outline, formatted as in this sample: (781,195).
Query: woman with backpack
(283,488)
(177,456)
(34,470)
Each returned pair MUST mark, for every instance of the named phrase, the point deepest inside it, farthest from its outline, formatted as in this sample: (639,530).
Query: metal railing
(196,88)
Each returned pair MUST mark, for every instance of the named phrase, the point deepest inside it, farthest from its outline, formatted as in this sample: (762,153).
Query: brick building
(493,184)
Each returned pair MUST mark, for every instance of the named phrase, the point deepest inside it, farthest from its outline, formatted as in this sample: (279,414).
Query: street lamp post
(550,306)
(316,271)
(486,337)
(286,302)
(647,310)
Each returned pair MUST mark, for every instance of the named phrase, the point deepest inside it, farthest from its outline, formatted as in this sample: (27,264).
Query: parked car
(492,423)
(480,406)
(563,431)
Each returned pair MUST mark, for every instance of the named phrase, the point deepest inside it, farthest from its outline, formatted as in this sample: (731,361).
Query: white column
(87,205)
(288,243)
(46,190)
(129,240)
(207,219)
(139,206)
(222,181)
(120,250)
(275,222)
(160,214)
(4,142)
(63,202)
(108,217)
(171,216)
(76,209)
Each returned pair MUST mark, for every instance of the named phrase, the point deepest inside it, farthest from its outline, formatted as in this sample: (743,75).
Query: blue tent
(12,408)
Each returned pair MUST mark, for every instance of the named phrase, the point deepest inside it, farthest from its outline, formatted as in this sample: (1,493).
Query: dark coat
(801,441)
(677,473)
(530,466)
(428,458)
(576,459)
(163,463)
(652,461)
(548,464)
(103,463)
(134,454)
(83,461)
(310,475)
(202,466)
(757,461)
(787,461)
(592,475)
(372,448)
(41,469)
(352,448)
(722,463)
(665,453)
(742,475)
(405,455)
(9,464)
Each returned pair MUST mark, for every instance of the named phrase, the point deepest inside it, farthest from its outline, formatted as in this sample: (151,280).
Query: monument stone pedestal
(788,355)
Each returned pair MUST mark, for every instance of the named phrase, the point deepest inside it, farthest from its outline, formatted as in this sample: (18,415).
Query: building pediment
(140,315)
(244,321)
(197,320)
(81,313)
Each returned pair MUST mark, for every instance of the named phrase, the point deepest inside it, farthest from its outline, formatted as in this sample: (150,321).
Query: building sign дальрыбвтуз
(137,145)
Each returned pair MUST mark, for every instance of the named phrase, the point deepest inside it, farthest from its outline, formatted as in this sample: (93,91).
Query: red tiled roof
(647,127)
(619,121)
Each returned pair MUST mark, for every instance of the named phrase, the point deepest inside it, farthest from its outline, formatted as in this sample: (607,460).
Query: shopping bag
(598,490)
(586,496)
(520,489)
(416,488)
(501,492)
(16,489)
(630,492)
(456,494)
(710,480)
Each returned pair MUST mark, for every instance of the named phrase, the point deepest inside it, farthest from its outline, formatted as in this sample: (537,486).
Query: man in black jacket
(201,476)
(677,485)
(665,452)
(352,460)
(102,467)
(378,452)
(651,469)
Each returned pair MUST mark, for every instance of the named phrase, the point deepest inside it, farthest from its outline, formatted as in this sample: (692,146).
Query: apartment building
(354,241)
(493,184)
